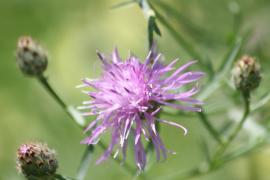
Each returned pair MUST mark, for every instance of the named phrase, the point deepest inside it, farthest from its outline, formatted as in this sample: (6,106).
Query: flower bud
(246,74)
(31,57)
(36,161)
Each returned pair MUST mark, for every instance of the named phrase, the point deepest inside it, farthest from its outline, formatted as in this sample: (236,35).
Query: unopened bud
(31,57)
(36,161)
(246,74)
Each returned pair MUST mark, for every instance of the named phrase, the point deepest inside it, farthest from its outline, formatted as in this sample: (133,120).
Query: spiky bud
(31,57)
(246,74)
(36,161)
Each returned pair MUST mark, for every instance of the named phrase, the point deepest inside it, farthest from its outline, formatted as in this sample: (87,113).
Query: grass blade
(123,4)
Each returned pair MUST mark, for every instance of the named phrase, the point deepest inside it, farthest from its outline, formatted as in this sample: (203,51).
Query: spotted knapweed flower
(129,95)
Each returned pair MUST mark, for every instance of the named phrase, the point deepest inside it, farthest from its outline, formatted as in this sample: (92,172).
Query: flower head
(246,74)
(36,161)
(31,57)
(129,95)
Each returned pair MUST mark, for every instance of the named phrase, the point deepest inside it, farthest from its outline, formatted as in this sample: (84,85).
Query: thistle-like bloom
(129,95)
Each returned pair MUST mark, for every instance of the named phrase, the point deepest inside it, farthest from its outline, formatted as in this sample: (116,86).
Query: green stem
(69,110)
(123,4)
(233,135)
(47,86)
(85,162)
(238,128)
(209,127)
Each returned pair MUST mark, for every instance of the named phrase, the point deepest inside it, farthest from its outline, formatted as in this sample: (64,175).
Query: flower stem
(246,112)
(209,127)
(233,135)
(85,162)
(47,86)
(71,113)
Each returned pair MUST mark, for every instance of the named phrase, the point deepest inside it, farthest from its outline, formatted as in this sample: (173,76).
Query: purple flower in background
(127,98)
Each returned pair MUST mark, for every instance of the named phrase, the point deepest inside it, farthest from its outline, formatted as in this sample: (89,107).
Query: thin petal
(174,124)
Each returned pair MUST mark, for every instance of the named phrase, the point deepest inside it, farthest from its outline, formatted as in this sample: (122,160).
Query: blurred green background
(72,31)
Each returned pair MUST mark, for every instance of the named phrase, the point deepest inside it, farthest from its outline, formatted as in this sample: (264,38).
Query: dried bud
(31,57)
(36,161)
(246,74)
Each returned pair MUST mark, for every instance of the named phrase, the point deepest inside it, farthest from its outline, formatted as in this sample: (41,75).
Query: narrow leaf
(225,127)
(182,19)
(76,116)
(182,41)
(229,59)
(225,67)
(264,100)
(151,20)
(156,28)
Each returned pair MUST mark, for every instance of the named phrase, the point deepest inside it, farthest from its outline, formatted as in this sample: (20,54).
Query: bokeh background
(73,30)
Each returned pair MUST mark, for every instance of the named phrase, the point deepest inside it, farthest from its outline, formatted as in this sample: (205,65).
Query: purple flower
(129,95)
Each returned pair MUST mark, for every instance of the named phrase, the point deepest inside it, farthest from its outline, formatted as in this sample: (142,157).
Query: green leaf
(225,127)
(156,28)
(76,116)
(151,20)
(85,162)
(229,59)
(264,100)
